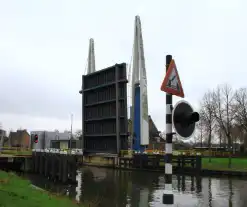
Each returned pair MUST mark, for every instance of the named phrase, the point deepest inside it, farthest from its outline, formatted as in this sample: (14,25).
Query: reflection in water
(143,197)
(192,184)
(209,193)
(183,183)
(78,187)
(178,182)
(230,193)
(198,185)
(143,189)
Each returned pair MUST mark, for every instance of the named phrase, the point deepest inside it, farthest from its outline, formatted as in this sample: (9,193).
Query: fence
(181,163)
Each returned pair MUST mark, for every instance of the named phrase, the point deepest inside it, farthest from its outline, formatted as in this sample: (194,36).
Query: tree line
(223,117)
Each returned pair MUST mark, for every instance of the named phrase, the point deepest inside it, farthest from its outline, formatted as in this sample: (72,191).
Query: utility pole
(1,137)
(71,132)
(9,140)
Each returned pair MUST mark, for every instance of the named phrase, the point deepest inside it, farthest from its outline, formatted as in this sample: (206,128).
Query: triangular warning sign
(171,84)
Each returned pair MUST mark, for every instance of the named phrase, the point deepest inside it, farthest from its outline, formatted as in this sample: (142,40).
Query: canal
(114,188)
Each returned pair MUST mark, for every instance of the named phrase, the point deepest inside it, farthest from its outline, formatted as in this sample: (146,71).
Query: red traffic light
(36,138)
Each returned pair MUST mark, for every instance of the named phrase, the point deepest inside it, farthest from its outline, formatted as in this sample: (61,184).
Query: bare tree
(224,112)
(78,134)
(237,135)
(207,115)
(220,135)
(241,113)
(199,137)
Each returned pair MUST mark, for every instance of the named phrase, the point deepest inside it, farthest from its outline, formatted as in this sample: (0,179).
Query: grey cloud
(43,49)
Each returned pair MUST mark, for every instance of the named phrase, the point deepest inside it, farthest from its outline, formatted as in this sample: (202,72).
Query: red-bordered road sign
(171,83)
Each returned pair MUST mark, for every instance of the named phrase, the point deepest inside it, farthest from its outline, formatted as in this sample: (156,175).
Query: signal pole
(168,197)
(183,118)
(1,138)
(71,125)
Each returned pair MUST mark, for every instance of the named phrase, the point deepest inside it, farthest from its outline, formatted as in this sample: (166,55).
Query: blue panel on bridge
(137,122)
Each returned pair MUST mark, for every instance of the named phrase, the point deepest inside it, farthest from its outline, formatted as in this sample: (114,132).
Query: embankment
(15,191)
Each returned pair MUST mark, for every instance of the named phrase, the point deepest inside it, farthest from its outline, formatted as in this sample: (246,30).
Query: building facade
(155,141)
(3,133)
(53,139)
(2,137)
(20,138)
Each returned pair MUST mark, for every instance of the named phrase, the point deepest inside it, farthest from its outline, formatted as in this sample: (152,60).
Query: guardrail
(18,151)
(126,153)
(60,151)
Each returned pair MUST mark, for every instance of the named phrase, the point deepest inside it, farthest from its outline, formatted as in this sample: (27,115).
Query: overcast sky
(44,47)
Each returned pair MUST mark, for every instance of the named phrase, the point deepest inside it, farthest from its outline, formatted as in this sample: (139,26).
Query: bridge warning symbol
(172,84)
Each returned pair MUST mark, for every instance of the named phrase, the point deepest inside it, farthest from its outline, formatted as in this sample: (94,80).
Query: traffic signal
(36,138)
(184,119)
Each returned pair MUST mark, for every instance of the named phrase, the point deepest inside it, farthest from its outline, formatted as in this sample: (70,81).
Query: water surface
(115,188)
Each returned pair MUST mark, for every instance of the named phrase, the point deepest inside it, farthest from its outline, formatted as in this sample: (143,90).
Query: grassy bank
(221,164)
(17,192)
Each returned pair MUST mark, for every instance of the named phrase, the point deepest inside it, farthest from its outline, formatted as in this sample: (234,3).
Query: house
(64,144)
(52,139)
(2,133)
(155,141)
(20,138)
(3,138)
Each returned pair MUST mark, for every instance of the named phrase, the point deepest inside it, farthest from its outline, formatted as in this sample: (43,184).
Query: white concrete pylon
(91,57)
(139,79)
(138,54)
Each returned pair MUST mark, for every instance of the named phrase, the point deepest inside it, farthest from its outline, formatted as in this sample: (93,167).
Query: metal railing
(20,151)
(16,151)
(60,151)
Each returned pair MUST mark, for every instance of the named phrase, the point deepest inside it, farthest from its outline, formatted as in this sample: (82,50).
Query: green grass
(238,164)
(17,192)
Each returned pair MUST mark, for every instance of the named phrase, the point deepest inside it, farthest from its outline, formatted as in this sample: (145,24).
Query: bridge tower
(90,68)
(139,108)
(91,58)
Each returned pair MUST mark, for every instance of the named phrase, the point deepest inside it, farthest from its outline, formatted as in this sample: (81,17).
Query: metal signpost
(181,117)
